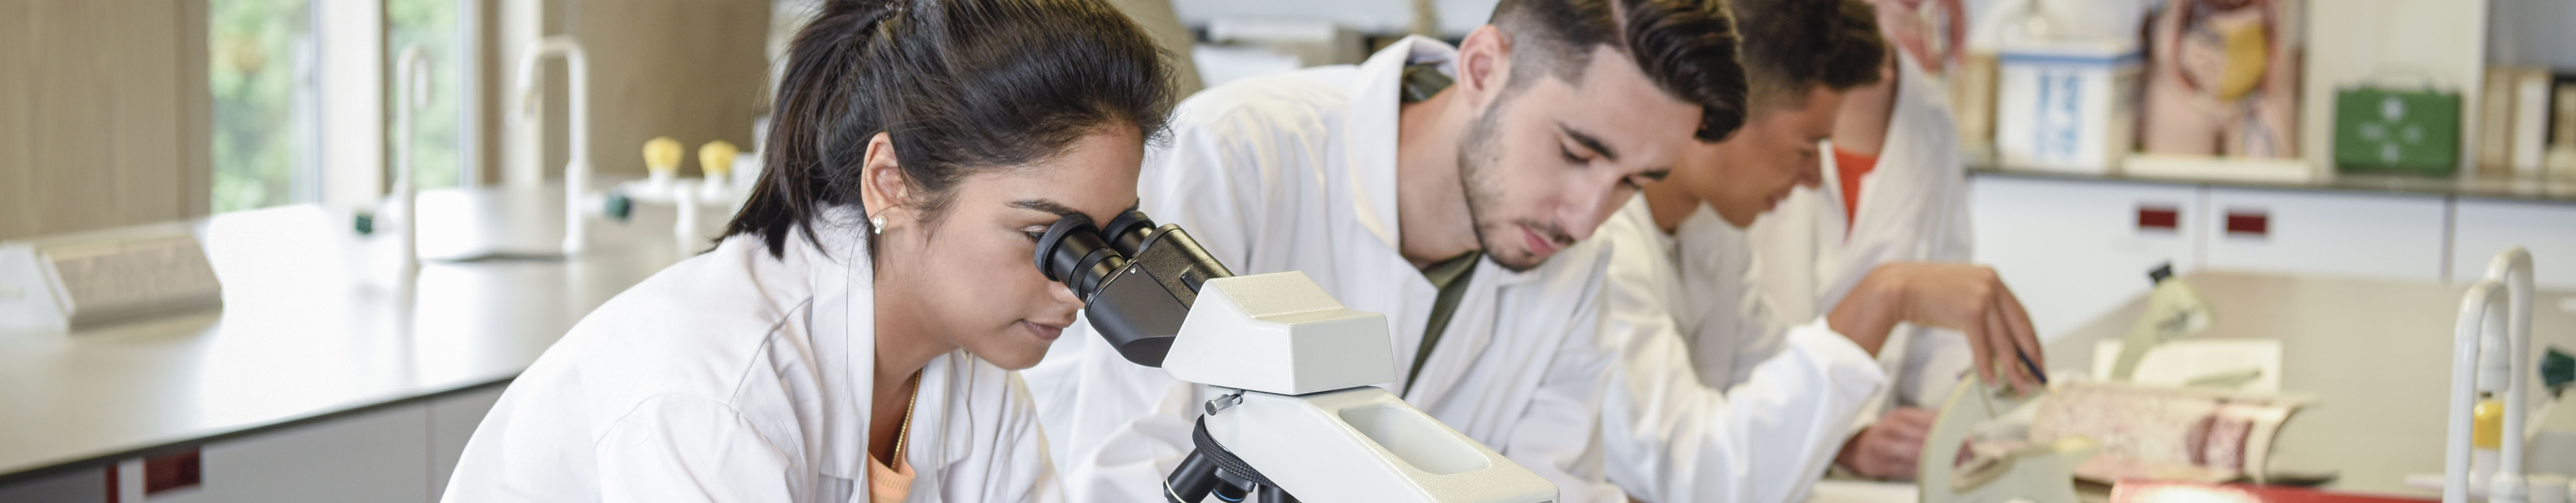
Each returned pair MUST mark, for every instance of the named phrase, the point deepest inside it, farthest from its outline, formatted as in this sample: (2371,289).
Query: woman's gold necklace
(903,430)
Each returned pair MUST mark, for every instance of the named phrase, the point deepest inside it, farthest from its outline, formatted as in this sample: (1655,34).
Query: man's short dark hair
(1792,46)
(1687,47)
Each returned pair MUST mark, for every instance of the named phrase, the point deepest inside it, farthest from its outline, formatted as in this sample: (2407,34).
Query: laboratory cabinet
(376,455)
(80,486)
(396,453)
(2481,228)
(2073,249)
(2325,233)
(451,421)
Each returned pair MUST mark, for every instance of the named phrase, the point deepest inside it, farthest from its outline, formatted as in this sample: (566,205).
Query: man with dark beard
(1448,188)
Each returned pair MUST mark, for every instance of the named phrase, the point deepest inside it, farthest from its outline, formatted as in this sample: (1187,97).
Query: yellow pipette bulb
(716,157)
(662,156)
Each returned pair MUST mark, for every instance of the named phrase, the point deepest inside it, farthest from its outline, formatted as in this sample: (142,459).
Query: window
(283,98)
(261,58)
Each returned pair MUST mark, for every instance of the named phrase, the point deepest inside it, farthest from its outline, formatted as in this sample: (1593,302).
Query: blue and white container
(2066,107)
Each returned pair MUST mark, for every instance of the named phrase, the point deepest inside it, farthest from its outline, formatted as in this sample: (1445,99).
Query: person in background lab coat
(1477,168)
(850,338)
(1894,190)
(1686,424)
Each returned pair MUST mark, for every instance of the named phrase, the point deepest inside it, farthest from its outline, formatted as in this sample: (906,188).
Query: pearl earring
(876,224)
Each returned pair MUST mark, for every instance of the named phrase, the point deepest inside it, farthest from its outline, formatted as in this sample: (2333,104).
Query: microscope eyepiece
(1128,232)
(1071,252)
(1136,280)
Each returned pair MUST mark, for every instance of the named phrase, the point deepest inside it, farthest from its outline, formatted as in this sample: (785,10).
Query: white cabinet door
(2348,234)
(2072,249)
(451,422)
(2483,228)
(376,456)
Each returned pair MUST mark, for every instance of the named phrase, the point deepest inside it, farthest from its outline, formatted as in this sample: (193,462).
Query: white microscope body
(1300,417)
(2039,473)
(1307,415)
(2174,311)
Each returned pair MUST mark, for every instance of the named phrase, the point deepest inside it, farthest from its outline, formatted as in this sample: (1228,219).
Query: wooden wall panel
(688,69)
(197,109)
(17,172)
(104,111)
(693,70)
(95,121)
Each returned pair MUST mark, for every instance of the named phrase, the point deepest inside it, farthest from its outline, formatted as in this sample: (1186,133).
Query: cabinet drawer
(2072,250)
(2320,233)
(2482,228)
(378,455)
(452,420)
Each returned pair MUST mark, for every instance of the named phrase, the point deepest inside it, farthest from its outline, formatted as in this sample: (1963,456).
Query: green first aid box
(2391,130)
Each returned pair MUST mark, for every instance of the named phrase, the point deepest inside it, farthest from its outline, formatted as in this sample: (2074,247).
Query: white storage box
(2066,107)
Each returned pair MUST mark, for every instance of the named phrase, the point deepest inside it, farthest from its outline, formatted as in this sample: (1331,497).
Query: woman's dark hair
(958,86)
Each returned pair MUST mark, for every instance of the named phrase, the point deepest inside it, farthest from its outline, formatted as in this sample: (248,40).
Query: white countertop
(2376,353)
(304,334)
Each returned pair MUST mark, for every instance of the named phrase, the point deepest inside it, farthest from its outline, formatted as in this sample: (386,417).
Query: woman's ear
(1484,63)
(881,184)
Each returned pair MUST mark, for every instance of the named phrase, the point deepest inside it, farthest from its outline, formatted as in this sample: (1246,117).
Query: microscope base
(1352,444)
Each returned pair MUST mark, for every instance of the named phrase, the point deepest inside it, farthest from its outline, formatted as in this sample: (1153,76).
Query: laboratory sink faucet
(412,72)
(577,167)
(2490,354)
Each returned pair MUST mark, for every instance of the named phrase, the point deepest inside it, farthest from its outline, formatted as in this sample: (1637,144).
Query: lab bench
(2375,353)
(315,381)
(2074,245)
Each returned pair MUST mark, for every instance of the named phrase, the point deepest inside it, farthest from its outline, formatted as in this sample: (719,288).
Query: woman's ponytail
(809,97)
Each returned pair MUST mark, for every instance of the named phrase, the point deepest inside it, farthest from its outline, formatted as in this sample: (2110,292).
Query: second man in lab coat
(1718,398)
(1895,190)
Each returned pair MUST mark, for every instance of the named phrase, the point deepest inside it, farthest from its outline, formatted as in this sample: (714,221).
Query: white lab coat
(1672,438)
(735,376)
(1914,207)
(1296,172)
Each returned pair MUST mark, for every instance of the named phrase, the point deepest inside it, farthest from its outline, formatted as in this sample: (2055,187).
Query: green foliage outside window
(261,59)
(261,62)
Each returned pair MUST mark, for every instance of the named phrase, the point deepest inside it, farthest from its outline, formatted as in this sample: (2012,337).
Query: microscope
(1300,417)
(2174,310)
